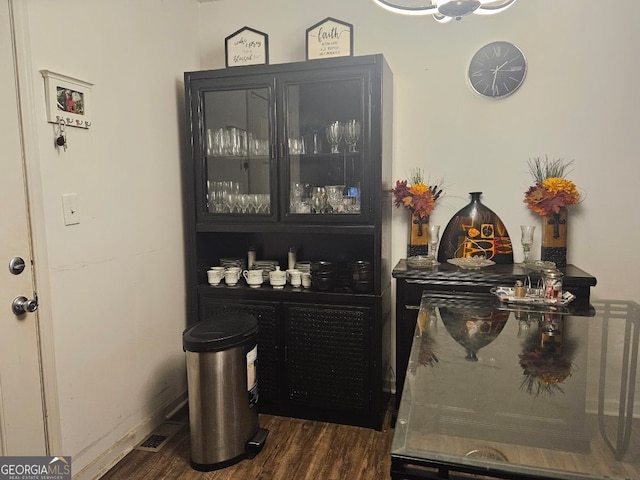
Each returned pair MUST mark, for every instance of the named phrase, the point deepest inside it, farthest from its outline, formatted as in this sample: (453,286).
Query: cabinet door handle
(286,350)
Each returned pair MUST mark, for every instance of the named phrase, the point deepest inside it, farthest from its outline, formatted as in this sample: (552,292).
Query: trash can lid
(225,331)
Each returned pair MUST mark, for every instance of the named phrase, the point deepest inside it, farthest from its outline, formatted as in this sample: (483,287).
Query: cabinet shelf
(330,155)
(237,157)
(266,292)
(287,228)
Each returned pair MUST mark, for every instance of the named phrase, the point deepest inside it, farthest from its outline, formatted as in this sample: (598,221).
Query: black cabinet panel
(267,316)
(327,356)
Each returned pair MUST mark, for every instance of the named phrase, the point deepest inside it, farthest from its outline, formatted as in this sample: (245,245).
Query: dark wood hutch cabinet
(258,172)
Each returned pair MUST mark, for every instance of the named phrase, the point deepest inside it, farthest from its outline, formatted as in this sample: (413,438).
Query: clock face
(497,70)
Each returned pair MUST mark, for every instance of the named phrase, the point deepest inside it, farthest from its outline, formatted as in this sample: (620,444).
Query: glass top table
(496,390)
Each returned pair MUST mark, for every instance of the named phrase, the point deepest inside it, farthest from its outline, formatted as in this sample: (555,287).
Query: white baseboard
(122,447)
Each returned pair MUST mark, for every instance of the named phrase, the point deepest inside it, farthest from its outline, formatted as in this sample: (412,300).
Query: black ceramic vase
(476,230)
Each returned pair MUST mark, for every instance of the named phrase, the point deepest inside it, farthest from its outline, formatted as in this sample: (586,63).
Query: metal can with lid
(552,281)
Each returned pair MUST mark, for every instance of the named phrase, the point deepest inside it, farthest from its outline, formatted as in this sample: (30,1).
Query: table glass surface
(501,391)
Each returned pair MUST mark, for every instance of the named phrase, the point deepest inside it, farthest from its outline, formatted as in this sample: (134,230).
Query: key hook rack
(68,100)
(70,122)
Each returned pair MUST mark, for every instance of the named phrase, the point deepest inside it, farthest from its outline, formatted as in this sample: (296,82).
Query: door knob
(22,305)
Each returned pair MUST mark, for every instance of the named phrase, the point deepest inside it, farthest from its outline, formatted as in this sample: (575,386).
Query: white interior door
(22,430)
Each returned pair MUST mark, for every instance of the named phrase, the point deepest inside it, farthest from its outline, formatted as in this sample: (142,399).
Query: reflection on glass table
(519,393)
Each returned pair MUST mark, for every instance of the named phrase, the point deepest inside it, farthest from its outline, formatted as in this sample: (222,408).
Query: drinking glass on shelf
(230,202)
(318,199)
(234,141)
(334,131)
(244,202)
(254,202)
(262,203)
(334,196)
(315,144)
(214,197)
(352,134)
(296,146)
(527,240)
(210,142)
(219,143)
(434,238)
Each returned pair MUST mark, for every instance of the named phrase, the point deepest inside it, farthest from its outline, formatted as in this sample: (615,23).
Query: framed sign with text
(246,47)
(329,38)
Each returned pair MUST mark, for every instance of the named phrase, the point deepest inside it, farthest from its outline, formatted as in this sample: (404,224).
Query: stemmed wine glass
(352,134)
(315,127)
(230,202)
(334,132)
(527,240)
(434,238)
(244,202)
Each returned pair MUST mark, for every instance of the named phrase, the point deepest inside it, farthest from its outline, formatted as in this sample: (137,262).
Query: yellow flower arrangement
(419,197)
(551,191)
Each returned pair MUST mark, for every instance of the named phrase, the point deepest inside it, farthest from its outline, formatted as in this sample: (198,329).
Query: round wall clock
(497,70)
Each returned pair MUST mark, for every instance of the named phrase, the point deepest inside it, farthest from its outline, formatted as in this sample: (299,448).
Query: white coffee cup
(214,277)
(305,278)
(292,272)
(232,275)
(253,277)
(295,278)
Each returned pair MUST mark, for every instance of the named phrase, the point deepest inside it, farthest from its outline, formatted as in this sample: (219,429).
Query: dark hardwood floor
(295,450)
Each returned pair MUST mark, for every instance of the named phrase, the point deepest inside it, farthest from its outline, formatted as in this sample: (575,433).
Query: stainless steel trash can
(223,390)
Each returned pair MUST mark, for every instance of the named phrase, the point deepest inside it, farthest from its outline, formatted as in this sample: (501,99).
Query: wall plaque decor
(68,100)
(329,38)
(246,47)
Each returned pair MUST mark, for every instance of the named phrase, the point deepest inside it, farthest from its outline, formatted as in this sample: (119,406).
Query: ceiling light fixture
(445,10)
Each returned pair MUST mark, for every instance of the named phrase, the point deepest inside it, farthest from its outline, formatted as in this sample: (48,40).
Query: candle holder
(527,240)
(434,238)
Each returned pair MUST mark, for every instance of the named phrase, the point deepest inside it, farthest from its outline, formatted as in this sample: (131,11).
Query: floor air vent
(160,436)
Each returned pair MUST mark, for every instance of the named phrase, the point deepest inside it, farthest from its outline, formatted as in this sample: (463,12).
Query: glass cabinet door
(236,141)
(325,140)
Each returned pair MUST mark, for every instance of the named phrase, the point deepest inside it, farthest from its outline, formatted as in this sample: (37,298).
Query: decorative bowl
(471,262)
(419,261)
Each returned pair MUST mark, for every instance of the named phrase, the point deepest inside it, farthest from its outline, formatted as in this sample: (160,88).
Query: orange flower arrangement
(552,191)
(417,197)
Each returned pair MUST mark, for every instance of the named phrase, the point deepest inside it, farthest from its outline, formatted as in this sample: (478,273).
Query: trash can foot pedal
(255,443)
(209,467)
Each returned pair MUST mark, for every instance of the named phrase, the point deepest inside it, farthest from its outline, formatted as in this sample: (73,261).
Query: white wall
(117,296)
(579,101)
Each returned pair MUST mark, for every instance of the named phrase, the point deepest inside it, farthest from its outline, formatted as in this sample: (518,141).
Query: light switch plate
(70,208)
